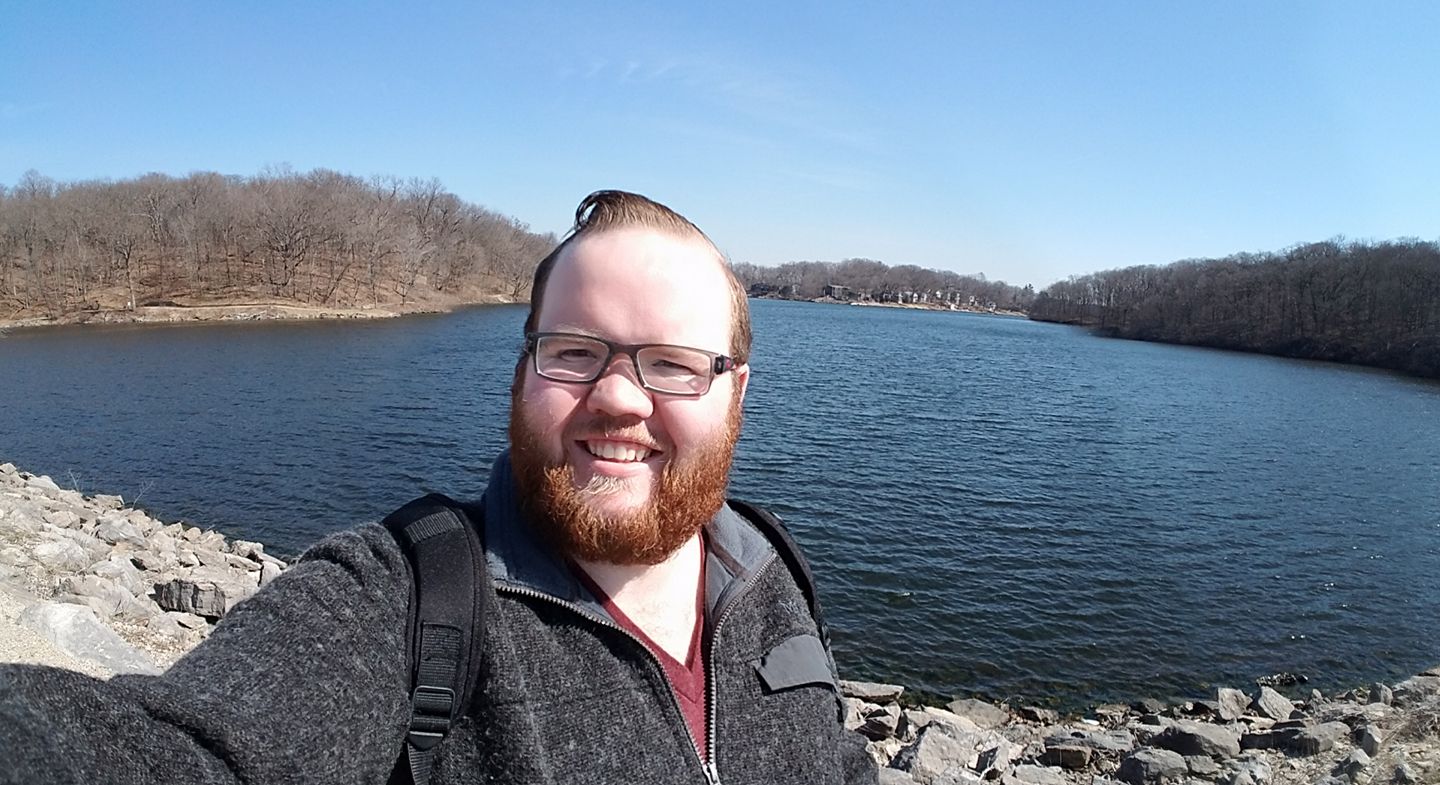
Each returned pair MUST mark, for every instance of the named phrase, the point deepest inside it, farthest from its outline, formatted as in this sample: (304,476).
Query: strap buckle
(430,711)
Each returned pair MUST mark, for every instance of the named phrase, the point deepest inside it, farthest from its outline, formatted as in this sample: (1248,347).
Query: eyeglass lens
(577,358)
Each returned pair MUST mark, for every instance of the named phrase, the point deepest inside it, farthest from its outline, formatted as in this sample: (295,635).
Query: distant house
(836,291)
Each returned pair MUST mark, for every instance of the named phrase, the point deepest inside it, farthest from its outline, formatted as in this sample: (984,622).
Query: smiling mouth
(620,452)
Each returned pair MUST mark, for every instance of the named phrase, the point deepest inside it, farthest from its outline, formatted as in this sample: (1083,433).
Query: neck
(660,598)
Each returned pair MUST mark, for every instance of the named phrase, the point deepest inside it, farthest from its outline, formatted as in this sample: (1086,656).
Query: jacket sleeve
(856,764)
(304,682)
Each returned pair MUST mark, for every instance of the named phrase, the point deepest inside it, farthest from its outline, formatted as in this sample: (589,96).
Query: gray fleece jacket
(307,682)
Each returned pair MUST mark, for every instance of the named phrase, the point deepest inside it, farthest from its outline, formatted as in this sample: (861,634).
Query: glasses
(662,368)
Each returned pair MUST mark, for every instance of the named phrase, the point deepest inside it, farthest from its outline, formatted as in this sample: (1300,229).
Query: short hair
(604,211)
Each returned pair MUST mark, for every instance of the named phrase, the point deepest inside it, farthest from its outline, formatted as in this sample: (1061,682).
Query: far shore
(253,311)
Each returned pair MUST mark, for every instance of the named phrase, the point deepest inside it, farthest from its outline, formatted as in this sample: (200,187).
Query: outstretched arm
(304,682)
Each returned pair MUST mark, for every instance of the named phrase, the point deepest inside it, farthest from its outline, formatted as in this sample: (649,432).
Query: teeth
(615,451)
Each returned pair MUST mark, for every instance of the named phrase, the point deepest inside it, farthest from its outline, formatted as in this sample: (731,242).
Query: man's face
(619,473)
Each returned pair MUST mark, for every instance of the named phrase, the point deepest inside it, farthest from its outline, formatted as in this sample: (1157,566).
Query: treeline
(1368,303)
(873,280)
(320,238)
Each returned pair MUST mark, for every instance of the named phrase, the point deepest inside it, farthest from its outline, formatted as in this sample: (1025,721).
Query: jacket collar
(519,559)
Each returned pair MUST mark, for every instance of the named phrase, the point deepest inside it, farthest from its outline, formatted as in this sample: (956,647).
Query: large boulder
(1148,766)
(1311,739)
(1199,738)
(61,555)
(76,631)
(1231,703)
(1272,704)
(934,752)
(209,598)
(871,691)
(986,715)
(1117,740)
(109,596)
(115,528)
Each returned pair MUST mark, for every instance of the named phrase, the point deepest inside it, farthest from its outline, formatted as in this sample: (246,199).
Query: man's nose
(618,392)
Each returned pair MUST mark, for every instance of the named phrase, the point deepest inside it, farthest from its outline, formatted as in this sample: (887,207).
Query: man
(640,630)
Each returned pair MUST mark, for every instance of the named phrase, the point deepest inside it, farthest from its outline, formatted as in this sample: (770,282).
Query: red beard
(690,491)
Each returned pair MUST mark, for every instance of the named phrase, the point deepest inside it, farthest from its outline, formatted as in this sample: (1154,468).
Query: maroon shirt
(687,679)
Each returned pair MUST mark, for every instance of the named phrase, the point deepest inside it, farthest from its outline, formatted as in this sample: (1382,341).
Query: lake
(993,506)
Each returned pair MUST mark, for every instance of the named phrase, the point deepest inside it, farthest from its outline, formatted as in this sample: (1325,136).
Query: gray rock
(1202,765)
(247,550)
(1272,704)
(8,469)
(14,556)
(1405,775)
(42,484)
(1379,693)
(61,556)
(1147,766)
(106,501)
(240,563)
(871,691)
(1231,703)
(889,776)
(959,775)
(881,723)
(1039,775)
(111,597)
(1369,739)
(1311,740)
(76,631)
(959,726)
(1242,777)
(64,519)
(1148,706)
(1117,740)
(150,561)
(934,752)
(1255,771)
(1037,714)
(186,557)
(143,522)
(211,599)
(854,711)
(986,715)
(1198,738)
(996,755)
(1351,766)
(1066,756)
(117,529)
(120,569)
(188,620)
(269,571)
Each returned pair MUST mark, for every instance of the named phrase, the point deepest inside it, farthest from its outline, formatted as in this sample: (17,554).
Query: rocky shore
(87,579)
(89,584)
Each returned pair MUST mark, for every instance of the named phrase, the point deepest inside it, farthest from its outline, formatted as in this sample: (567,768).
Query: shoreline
(256,311)
(88,583)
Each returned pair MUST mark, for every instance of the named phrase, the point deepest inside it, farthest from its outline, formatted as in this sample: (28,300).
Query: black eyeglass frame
(719,363)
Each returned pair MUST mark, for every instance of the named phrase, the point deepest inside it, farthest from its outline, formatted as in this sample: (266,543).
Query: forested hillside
(1368,303)
(317,238)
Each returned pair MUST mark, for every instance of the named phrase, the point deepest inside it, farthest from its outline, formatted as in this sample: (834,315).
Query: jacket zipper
(722,613)
(712,776)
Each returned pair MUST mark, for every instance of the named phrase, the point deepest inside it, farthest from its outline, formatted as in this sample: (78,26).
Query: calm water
(994,506)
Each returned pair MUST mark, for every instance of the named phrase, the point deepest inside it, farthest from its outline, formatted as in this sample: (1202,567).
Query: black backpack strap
(769,525)
(441,539)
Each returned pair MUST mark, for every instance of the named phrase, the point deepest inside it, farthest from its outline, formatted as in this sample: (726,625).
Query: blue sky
(1026,140)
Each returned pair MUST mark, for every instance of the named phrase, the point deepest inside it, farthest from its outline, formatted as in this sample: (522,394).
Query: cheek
(548,407)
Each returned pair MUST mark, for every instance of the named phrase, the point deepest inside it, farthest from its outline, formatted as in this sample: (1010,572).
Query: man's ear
(742,379)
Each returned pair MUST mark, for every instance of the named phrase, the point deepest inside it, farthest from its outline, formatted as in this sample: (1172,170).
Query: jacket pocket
(795,662)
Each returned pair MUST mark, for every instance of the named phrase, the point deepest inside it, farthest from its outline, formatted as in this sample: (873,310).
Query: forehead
(640,286)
